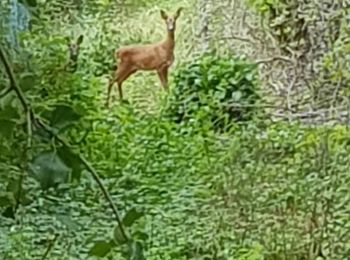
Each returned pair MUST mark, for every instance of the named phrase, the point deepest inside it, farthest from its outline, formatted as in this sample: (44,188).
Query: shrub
(219,88)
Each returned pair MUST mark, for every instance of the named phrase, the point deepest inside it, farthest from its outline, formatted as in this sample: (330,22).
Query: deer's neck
(170,41)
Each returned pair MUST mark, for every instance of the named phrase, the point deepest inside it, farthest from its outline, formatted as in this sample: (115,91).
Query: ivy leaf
(49,170)
(131,216)
(63,116)
(101,248)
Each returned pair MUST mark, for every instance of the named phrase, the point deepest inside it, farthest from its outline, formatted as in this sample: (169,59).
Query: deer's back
(146,57)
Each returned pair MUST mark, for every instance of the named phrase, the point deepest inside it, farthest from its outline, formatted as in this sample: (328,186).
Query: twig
(26,159)
(273,59)
(94,174)
(236,105)
(49,248)
(31,118)
(236,37)
(12,79)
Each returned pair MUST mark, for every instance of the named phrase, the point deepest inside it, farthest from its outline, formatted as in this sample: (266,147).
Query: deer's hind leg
(122,74)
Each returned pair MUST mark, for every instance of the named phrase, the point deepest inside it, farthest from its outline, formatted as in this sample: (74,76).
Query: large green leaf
(27,81)
(71,160)
(49,170)
(63,116)
(101,248)
(131,216)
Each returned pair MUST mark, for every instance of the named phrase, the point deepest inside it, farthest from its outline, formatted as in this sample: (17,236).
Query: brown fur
(157,56)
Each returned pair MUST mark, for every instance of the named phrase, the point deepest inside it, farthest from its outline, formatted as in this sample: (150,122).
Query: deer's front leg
(110,86)
(163,76)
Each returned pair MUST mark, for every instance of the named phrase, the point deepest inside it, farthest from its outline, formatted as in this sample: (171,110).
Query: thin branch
(49,248)
(26,159)
(95,176)
(13,81)
(273,59)
(32,118)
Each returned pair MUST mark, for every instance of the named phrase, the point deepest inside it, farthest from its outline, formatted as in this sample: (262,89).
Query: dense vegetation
(246,157)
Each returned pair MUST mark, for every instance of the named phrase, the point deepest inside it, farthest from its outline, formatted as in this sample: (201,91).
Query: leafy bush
(222,88)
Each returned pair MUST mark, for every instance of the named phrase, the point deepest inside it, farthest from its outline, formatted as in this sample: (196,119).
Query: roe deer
(157,56)
(73,48)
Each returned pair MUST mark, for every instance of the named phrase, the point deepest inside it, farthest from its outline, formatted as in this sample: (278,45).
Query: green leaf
(6,128)
(71,160)
(118,235)
(27,81)
(30,3)
(63,116)
(141,235)
(6,200)
(101,248)
(131,216)
(49,170)
(137,251)
(7,109)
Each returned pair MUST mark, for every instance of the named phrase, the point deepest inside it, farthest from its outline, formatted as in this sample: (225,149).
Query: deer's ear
(80,39)
(163,14)
(178,12)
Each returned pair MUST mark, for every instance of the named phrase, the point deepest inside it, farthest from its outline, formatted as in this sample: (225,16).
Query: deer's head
(74,48)
(171,20)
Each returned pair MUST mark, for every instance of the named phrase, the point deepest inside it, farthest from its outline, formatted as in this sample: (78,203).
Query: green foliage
(284,21)
(264,190)
(264,6)
(219,88)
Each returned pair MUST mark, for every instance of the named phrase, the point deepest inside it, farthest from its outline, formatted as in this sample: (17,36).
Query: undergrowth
(257,190)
